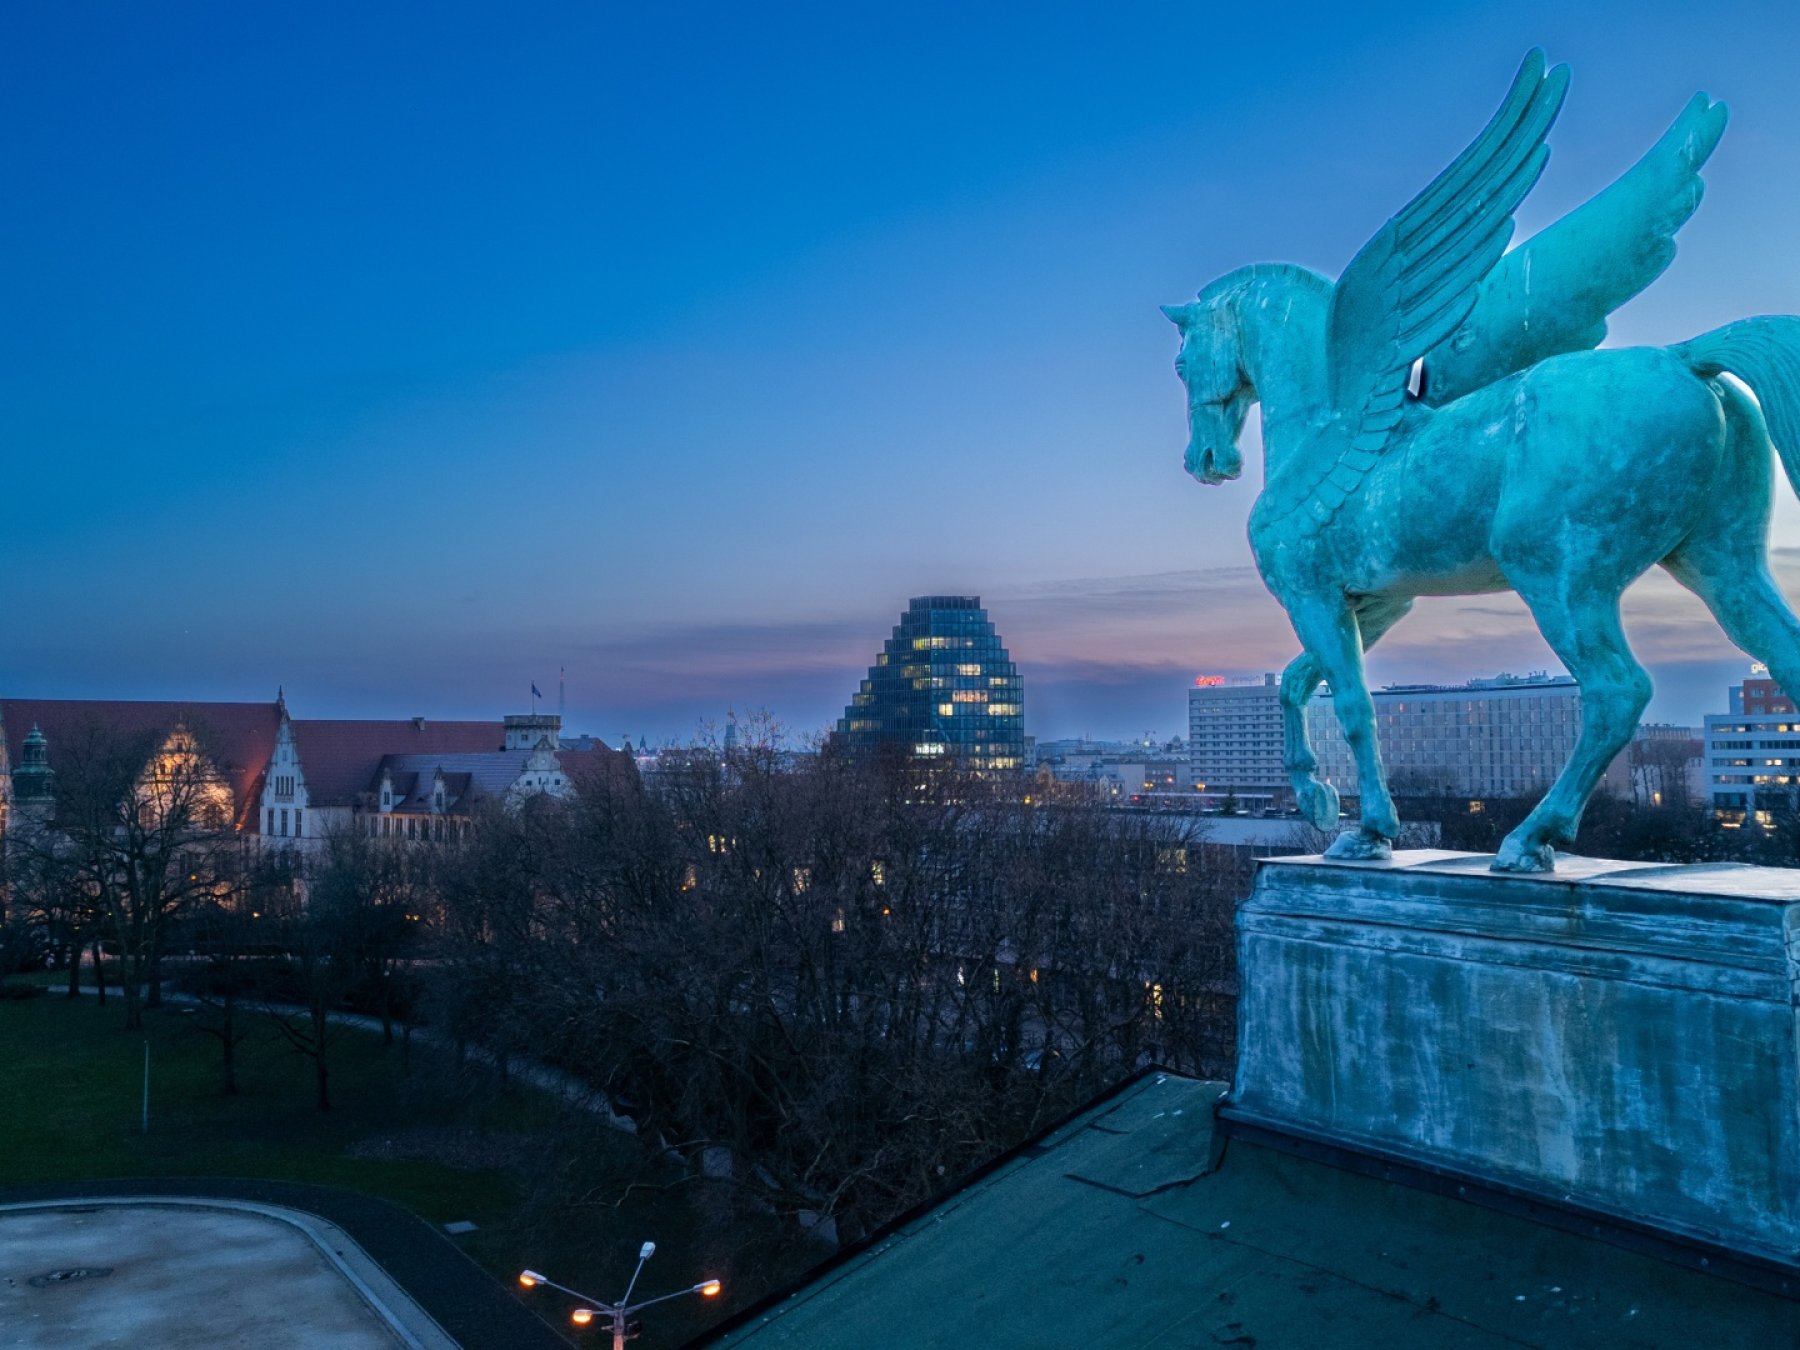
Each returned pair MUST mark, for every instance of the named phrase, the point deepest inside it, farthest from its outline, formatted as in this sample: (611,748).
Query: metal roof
(1123,1228)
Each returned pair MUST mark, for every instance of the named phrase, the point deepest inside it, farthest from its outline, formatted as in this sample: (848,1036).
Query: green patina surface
(1437,421)
(1112,1232)
(1620,1035)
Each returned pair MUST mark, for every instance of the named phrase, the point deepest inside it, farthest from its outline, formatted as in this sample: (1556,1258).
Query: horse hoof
(1359,846)
(1319,804)
(1519,857)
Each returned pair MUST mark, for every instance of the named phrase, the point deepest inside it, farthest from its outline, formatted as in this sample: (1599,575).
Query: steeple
(34,781)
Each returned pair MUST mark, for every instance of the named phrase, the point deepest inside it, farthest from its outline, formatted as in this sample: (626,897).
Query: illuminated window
(972,668)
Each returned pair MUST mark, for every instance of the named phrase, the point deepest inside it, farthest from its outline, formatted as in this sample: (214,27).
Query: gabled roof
(237,737)
(477,776)
(341,759)
(486,774)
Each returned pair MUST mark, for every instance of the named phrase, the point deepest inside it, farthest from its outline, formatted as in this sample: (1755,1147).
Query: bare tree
(342,923)
(52,892)
(146,819)
(837,982)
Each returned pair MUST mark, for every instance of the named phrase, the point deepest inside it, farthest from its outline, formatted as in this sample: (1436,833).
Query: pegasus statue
(1438,421)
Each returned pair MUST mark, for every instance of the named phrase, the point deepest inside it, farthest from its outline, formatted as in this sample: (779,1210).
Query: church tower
(34,781)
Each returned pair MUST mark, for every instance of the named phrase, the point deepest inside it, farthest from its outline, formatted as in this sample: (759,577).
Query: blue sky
(402,354)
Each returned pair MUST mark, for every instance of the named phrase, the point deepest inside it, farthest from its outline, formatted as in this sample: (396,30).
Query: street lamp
(618,1314)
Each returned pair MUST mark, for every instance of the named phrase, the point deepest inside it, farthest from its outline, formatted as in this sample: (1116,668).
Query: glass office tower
(943,686)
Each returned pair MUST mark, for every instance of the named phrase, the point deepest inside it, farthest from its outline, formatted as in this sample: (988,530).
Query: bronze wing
(1552,294)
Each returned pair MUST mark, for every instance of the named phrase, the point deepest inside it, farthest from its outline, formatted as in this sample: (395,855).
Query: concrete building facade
(1752,753)
(1503,737)
(1235,740)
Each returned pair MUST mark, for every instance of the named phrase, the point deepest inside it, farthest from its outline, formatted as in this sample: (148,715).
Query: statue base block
(1617,1037)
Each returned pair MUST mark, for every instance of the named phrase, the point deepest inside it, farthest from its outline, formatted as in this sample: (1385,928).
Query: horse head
(1219,392)
(1255,334)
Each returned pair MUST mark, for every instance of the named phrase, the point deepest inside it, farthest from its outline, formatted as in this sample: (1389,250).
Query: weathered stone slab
(1620,1036)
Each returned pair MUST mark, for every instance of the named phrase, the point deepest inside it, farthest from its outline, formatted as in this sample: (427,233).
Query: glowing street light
(619,1314)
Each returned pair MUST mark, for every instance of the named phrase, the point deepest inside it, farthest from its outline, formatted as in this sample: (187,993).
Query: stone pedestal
(1619,1037)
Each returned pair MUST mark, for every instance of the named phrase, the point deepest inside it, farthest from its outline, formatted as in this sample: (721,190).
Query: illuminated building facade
(1503,737)
(1234,741)
(1752,753)
(289,783)
(943,686)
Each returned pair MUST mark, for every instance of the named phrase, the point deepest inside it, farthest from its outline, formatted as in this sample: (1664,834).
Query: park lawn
(71,1100)
(71,1097)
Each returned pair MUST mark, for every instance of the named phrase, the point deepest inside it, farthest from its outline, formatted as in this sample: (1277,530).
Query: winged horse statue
(1438,422)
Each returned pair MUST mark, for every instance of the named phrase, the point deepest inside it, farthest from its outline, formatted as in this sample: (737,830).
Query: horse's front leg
(1328,629)
(1317,800)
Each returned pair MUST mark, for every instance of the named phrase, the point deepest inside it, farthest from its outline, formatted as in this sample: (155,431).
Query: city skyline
(405,364)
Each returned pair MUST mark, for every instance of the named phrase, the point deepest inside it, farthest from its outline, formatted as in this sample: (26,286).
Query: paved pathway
(263,1263)
(566,1086)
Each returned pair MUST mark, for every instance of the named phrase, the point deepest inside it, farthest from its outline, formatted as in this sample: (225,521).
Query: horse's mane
(1234,283)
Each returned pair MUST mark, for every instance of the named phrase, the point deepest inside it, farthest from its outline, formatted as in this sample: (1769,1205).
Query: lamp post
(617,1315)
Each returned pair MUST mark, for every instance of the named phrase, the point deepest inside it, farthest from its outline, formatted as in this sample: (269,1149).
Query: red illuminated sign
(1209,681)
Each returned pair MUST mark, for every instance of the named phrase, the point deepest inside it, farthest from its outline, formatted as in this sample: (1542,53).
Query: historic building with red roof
(294,781)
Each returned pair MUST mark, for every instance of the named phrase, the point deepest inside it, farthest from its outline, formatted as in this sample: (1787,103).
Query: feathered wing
(1414,283)
(1552,294)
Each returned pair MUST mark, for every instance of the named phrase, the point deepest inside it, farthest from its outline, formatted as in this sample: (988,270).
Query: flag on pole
(534,692)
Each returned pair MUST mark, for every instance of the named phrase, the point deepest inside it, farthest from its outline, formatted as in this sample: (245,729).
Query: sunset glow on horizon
(404,360)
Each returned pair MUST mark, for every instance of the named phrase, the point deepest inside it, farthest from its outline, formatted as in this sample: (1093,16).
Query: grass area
(541,1187)
(74,1109)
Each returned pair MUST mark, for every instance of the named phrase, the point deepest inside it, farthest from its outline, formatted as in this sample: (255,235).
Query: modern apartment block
(1753,752)
(1234,740)
(942,686)
(1503,737)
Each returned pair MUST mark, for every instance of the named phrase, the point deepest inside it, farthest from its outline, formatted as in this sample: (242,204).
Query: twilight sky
(401,354)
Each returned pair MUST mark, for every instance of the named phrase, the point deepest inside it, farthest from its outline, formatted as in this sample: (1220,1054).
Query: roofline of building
(1616,1230)
(844,1255)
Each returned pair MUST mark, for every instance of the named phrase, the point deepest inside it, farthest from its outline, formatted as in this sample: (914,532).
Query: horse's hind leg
(1585,632)
(1736,586)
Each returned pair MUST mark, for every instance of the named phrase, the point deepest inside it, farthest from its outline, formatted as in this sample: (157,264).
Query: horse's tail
(1764,353)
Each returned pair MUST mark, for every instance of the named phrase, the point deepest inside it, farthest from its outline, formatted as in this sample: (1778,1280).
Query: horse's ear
(1175,314)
